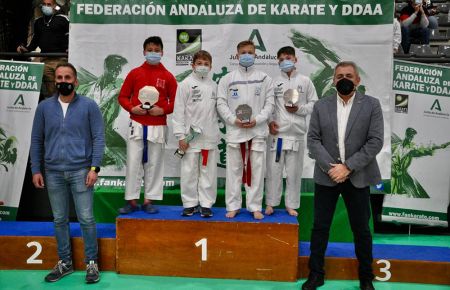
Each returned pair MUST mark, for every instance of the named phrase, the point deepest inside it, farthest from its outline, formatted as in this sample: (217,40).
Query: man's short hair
(347,63)
(245,43)
(202,54)
(67,64)
(289,50)
(155,40)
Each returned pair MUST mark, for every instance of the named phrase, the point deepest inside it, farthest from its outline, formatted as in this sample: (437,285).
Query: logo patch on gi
(234,93)
(160,83)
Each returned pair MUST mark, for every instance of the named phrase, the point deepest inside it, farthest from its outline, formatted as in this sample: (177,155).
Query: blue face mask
(287,65)
(246,60)
(153,57)
(47,10)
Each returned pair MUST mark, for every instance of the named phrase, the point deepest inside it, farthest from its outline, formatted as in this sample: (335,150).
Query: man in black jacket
(51,34)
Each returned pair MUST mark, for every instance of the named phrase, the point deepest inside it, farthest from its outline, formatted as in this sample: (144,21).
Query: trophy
(244,113)
(148,96)
(291,98)
(194,131)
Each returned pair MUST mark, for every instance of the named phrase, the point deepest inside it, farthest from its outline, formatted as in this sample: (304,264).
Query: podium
(167,244)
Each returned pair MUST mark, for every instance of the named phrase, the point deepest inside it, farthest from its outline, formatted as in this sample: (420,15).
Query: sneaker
(60,270)
(206,212)
(92,274)
(150,208)
(128,208)
(189,211)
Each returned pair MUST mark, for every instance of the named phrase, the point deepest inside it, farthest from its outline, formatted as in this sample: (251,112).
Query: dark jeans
(420,34)
(357,201)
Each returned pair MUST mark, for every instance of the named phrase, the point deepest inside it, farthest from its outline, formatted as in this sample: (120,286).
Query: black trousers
(357,202)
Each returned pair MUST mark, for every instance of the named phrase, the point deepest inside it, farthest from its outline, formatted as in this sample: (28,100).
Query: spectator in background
(51,35)
(397,35)
(430,10)
(414,24)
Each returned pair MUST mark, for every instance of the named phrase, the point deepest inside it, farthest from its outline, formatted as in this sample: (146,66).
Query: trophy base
(289,105)
(179,153)
(146,106)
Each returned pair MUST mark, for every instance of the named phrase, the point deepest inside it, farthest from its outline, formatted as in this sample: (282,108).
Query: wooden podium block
(167,244)
(392,263)
(32,246)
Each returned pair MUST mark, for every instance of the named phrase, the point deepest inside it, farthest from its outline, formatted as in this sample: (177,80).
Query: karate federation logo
(401,103)
(189,41)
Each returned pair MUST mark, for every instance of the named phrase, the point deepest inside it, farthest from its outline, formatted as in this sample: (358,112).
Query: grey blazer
(363,140)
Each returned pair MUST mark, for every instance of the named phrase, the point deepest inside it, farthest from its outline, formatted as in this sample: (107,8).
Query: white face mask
(47,10)
(202,70)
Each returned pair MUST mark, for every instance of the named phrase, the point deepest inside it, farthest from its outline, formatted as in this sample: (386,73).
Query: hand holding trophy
(291,98)
(148,96)
(194,131)
(244,113)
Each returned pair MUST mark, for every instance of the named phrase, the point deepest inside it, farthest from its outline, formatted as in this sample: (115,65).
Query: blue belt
(279,148)
(144,139)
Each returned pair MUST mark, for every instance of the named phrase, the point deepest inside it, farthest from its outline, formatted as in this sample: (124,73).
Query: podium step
(393,263)
(167,244)
(32,246)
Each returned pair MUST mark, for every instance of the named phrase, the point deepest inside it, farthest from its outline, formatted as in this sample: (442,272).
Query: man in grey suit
(345,135)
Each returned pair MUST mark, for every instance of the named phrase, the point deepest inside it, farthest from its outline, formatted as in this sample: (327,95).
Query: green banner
(421,78)
(182,12)
(106,43)
(20,83)
(420,145)
(20,76)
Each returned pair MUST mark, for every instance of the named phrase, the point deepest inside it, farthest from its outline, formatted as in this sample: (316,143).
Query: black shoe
(92,273)
(313,282)
(60,270)
(128,208)
(189,211)
(366,285)
(206,212)
(150,208)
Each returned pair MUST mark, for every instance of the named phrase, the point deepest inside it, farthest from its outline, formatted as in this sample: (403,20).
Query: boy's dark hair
(67,64)
(155,40)
(202,54)
(286,50)
(245,43)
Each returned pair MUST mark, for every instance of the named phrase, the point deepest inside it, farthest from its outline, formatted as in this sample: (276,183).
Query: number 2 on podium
(204,243)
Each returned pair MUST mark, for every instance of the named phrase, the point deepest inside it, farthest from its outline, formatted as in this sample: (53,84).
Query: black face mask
(345,86)
(64,88)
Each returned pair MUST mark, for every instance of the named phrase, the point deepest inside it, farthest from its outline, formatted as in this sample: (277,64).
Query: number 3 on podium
(204,243)
(384,270)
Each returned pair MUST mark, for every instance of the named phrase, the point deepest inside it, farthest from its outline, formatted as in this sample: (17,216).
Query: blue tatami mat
(45,229)
(400,252)
(174,213)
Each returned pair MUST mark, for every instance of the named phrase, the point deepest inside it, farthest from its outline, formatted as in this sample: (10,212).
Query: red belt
(204,157)
(247,168)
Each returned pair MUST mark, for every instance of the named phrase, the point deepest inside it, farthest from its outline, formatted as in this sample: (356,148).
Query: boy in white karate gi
(195,111)
(288,129)
(246,140)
